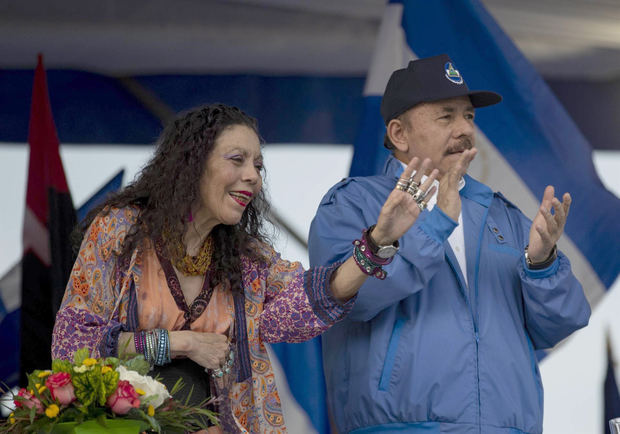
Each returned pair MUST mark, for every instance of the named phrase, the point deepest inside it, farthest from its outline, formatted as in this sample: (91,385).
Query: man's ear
(397,133)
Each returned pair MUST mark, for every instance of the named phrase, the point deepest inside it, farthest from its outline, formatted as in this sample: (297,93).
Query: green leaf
(110,380)
(111,361)
(80,355)
(101,420)
(84,391)
(32,380)
(137,364)
(61,366)
(178,386)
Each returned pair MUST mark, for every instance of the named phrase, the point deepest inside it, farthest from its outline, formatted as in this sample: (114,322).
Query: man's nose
(465,127)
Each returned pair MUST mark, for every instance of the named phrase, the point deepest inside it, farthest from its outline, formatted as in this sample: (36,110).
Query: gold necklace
(194,265)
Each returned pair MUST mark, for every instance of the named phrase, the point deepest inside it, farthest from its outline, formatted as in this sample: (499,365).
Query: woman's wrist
(180,344)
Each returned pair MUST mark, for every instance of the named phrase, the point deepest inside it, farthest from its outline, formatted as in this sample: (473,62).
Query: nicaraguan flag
(525,143)
(49,219)
(10,295)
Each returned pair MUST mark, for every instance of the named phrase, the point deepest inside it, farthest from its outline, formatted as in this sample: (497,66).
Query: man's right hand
(448,199)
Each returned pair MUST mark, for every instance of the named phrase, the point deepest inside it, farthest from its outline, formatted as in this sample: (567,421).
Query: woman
(176,267)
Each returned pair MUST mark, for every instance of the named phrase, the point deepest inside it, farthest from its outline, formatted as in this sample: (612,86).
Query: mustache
(460,146)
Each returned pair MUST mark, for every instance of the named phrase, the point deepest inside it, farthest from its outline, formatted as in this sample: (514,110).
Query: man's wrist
(383,249)
(532,265)
(375,240)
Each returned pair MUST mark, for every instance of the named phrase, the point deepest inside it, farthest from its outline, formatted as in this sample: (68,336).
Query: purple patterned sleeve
(88,316)
(79,328)
(297,304)
(324,305)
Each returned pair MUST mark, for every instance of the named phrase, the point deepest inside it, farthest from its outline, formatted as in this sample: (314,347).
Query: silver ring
(412,189)
(217,373)
(412,182)
(422,205)
(402,185)
(419,195)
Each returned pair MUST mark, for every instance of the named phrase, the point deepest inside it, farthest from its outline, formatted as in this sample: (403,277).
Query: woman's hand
(400,210)
(209,350)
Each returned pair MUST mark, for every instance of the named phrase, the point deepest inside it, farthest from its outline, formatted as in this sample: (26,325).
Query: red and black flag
(48,221)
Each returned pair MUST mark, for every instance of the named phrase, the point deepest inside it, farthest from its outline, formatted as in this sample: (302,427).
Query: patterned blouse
(281,303)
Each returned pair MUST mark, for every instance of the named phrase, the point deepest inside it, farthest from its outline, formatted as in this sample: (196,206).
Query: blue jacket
(424,352)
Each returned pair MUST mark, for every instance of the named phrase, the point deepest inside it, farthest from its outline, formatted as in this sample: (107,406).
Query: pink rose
(28,401)
(124,398)
(61,387)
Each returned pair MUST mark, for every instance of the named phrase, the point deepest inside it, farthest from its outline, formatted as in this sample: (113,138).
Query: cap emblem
(453,74)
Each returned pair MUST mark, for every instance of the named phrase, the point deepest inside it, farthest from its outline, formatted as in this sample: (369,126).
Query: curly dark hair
(168,185)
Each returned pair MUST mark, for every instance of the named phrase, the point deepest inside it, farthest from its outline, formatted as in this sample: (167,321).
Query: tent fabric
(91,108)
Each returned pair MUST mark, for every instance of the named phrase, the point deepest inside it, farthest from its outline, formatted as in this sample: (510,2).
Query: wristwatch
(544,264)
(384,252)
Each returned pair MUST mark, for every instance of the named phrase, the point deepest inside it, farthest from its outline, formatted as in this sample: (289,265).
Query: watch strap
(544,264)
(374,247)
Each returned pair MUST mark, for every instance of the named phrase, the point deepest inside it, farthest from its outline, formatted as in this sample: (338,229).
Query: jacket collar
(473,190)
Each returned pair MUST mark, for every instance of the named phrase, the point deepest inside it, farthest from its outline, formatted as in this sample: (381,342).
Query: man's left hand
(547,228)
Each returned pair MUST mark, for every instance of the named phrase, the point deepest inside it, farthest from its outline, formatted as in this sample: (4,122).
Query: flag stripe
(530,128)
(49,219)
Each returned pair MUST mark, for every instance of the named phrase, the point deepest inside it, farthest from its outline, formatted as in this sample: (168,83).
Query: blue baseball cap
(425,80)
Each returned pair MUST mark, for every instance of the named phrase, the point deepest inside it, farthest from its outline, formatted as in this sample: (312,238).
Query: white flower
(155,392)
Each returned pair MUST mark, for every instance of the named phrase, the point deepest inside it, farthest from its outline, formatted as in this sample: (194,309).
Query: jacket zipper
(476,319)
(474,314)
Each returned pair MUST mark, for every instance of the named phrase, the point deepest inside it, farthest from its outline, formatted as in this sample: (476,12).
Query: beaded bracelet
(168,355)
(138,340)
(366,265)
(154,345)
(163,347)
(149,354)
(365,258)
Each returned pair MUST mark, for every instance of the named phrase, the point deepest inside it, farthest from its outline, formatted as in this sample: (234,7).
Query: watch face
(387,252)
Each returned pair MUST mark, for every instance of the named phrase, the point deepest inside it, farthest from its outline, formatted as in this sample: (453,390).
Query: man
(446,342)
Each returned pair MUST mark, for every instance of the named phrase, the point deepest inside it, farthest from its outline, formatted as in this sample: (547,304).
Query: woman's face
(232,177)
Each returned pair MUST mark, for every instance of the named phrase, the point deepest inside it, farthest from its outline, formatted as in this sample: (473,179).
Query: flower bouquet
(102,396)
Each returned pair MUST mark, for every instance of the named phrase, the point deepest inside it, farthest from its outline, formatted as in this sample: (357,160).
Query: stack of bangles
(155,345)
(368,262)
(413,188)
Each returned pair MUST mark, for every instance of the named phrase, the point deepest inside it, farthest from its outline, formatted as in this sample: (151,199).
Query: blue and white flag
(524,143)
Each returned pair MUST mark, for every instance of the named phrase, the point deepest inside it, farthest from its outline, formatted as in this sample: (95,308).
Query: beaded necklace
(194,265)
